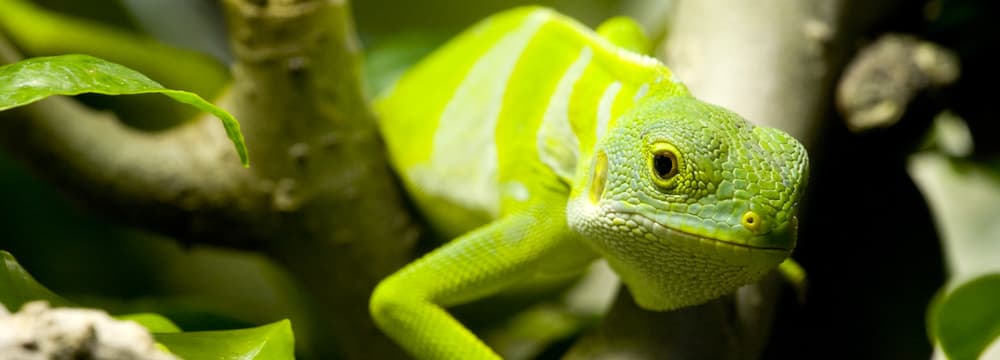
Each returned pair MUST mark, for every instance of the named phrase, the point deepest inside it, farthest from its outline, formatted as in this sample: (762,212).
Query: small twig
(891,75)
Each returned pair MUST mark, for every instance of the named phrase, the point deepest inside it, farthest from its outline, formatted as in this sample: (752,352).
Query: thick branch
(336,217)
(772,61)
(185,182)
(715,330)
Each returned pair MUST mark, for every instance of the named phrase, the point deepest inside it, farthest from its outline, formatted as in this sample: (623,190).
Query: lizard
(539,145)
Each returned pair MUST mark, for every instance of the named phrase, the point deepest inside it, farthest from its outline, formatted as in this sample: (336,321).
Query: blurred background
(868,240)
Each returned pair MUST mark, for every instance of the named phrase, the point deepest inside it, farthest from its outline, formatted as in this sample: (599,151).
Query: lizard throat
(666,269)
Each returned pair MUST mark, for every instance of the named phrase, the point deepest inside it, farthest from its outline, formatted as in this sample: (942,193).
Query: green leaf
(155,323)
(30,80)
(964,197)
(965,320)
(272,341)
(18,287)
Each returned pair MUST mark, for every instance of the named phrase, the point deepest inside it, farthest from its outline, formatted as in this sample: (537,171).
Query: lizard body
(541,145)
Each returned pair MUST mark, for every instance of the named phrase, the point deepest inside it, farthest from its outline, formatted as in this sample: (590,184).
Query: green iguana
(540,145)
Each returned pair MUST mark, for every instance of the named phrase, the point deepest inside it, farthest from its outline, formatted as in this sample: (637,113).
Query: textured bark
(733,327)
(335,217)
(772,61)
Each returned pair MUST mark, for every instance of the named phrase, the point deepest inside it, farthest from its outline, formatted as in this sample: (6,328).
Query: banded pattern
(496,88)
(539,145)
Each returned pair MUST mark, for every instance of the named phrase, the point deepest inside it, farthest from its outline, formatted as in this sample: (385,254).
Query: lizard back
(505,113)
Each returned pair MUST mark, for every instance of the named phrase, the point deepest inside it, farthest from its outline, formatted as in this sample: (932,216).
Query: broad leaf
(965,320)
(155,323)
(272,341)
(964,197)
(27,81)
(18,287)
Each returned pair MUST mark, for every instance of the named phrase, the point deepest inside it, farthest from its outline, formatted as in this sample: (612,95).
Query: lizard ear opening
(600,176)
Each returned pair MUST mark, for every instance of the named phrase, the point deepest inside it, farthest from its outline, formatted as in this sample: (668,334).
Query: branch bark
(336,218)
(775,61)
(733,327)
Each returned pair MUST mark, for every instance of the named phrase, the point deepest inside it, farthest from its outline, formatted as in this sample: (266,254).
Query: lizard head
(688,201)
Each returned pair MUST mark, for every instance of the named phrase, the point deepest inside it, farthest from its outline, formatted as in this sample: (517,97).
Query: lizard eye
(665,164)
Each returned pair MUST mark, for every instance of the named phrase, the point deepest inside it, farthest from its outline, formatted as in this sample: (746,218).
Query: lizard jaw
(667,269)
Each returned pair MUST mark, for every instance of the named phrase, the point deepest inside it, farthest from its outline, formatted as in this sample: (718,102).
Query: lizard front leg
(409,305)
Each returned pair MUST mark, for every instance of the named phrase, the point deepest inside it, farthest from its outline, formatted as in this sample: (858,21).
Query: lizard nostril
(599,177)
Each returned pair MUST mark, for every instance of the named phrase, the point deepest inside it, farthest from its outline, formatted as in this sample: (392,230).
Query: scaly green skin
(542,145)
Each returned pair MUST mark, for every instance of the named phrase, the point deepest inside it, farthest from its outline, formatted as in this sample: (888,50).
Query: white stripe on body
(463,165)
(639,94)
(604,108)
(558,146)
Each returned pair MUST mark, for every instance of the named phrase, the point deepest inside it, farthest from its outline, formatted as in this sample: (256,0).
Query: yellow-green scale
(410,126)
(485,171)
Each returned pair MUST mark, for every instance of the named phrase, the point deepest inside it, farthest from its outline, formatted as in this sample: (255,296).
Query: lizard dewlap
(540,145)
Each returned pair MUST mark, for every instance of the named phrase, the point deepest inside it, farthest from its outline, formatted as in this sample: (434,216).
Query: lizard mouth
(665,268)
(668,234)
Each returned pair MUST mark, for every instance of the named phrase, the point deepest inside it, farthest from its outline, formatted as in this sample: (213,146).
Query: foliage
(966,319)
(963,318)
(27,81)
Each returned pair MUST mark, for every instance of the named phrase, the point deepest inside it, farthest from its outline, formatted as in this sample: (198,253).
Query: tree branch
(774,62)
(336,219)
(715,330)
